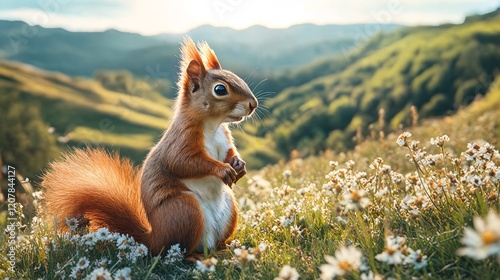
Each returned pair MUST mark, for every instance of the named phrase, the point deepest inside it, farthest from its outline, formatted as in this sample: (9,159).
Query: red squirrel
(182,194)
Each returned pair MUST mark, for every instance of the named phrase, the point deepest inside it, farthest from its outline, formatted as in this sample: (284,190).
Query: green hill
(83,112)
(437,69)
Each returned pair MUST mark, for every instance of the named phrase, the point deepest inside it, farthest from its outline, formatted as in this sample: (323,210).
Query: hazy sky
(157,16)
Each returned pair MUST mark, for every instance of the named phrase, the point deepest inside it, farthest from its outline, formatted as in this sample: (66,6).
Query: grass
(383,210)
(393,208)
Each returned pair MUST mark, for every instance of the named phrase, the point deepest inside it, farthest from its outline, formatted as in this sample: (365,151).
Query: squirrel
(182,194)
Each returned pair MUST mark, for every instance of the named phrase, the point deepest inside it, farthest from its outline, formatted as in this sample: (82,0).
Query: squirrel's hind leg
(178,220)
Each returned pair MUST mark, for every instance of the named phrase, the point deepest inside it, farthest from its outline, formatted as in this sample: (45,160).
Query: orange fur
(210,59)
(97,185)
(189,52)
(155,205)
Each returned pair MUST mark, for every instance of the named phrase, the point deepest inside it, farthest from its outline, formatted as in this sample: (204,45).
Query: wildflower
(38,195)
(350,163)
(257,252)
(82,263)
(137,251)
(124,241)
(76,273)
(89,240)
(431,159)
(476,181)
(416,258)
(262,246)
(492,172)
(473,151)
(235,244)
(174,254)
(346,259)
(295,230)
(102,234)
(50,244)
(485,240)
(72,223)
(244,256)
(103,262)
(392,253)
(287,173)
(288,273)
(402,139)
(100,274)
(415,203)
(355,199)
(123,274)
(207,265)
(333,164)
(440,140)
(396,177)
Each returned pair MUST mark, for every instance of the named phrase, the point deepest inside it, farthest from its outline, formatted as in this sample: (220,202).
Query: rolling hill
(82,112)
(317,106)
(437,69)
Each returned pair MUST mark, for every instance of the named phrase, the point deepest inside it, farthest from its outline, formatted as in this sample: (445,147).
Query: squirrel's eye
(220,90)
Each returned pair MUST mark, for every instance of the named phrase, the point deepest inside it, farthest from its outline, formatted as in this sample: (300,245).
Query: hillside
(82,112)
(436,69)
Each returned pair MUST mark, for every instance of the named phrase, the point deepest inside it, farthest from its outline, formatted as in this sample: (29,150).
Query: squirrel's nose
(252,105)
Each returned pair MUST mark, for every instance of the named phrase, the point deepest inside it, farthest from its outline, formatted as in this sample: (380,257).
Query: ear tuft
(209,58)
(190,53)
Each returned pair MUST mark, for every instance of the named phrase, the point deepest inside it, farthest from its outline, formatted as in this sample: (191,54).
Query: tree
(25,141)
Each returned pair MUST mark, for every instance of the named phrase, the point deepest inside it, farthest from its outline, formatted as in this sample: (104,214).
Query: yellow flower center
(390,250)
(345,265)
(489,237)
(355,196)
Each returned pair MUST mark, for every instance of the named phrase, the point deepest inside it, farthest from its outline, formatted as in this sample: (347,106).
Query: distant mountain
(73,53)
(255,48)
(267,49)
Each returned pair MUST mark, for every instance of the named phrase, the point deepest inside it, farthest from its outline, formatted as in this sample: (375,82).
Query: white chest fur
(214,196)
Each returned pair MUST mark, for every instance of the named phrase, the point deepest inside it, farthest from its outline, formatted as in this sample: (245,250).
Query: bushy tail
(100,187)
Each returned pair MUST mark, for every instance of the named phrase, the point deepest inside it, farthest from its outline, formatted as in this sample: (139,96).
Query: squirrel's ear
(194,72)
(209,57)
(192,68)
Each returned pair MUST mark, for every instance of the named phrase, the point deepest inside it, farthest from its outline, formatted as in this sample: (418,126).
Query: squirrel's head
(208,91)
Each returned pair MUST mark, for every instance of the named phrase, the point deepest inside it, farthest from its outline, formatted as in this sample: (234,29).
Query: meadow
(416,204)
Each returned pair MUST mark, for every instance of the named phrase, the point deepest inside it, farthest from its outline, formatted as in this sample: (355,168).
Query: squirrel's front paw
(239,166)
(227,174)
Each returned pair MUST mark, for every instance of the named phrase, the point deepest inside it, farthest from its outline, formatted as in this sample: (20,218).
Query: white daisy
(72,223)
(207,265)
(123,274)
(485,240)
(100,274)
(288,273)
(392,253)
(346,259)
(82,263)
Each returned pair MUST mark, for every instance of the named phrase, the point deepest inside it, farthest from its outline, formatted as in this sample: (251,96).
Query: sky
(150,17)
